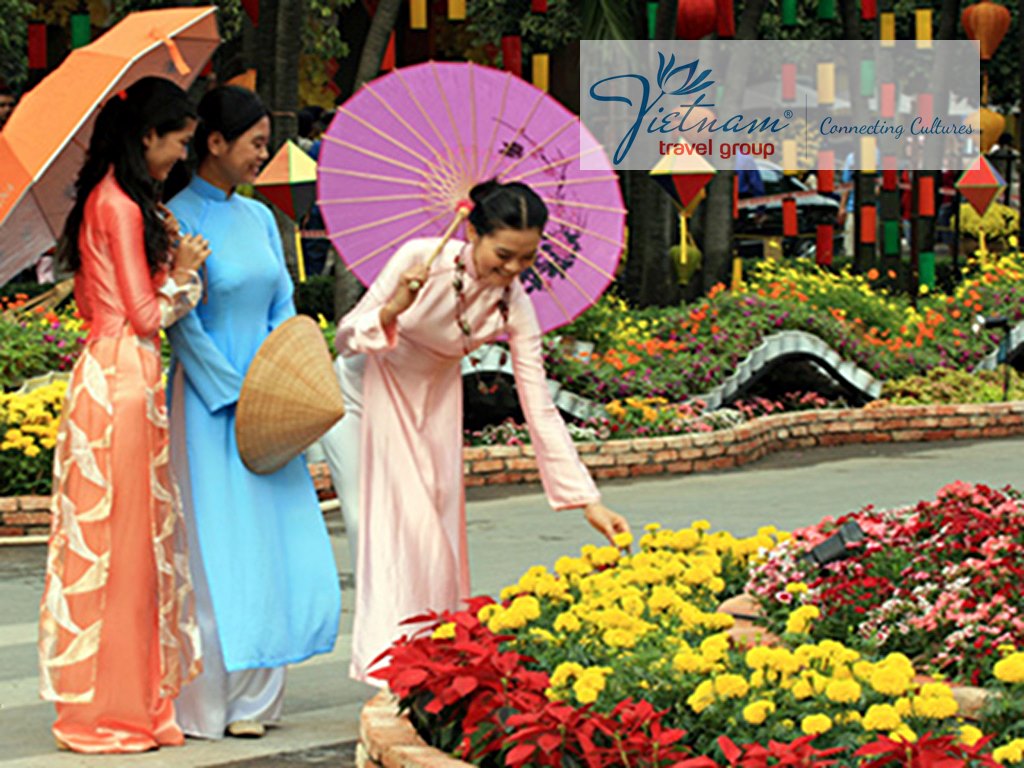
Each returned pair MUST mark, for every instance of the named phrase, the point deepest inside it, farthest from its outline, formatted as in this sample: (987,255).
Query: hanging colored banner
(868,9)
(81,29)
(36,45)
(540,69)
(868,224)
(790,228)
(926,195)
(512,54)
(824,245)
(789,82)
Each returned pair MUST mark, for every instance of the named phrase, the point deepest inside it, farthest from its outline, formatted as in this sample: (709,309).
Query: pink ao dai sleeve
(566,480)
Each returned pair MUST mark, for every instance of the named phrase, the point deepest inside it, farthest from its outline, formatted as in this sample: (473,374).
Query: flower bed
(621,659)
(942,581)
(36,342)
(676,352)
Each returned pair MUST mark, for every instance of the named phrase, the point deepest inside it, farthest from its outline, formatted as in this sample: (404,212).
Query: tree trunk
(266,41)
(288,48)
(650,277)
(718,245)
(377,37)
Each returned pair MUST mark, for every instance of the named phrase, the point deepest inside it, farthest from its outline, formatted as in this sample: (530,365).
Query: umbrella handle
(460,214)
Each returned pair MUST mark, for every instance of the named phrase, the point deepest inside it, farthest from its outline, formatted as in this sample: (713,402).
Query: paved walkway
(509,530)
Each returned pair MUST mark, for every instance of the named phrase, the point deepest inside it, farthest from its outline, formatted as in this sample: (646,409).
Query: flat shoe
(246,729)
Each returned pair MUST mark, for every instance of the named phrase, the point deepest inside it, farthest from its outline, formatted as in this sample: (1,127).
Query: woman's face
(503,254)
(162,152)
(240,161)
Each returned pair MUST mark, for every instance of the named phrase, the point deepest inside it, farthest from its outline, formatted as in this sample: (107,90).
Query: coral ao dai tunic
(412,527)
(118,634)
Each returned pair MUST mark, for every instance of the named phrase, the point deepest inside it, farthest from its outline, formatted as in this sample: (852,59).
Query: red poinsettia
(927,752)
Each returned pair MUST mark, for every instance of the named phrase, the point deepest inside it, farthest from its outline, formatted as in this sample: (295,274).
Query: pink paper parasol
(403,152)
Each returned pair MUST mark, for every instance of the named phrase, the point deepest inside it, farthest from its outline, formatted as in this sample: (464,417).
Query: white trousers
(342,444)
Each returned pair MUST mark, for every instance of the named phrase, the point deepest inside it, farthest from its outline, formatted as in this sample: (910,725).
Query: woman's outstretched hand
(604,520)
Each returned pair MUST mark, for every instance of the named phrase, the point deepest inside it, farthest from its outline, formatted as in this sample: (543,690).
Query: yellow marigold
(796,588)
(904,733)
(485,613)
(687,661)
(572,566)
(619,638)
(702,697)
(970,735)
(881,717)
(444,631)
(800,619)
(935,707)
(565,672)
(757,712)
(623,540)
(802,689)
(890,680)
(567,622)
(1009,754)
(1010,669)
(843,691)
(731,686)
(758,657)
(603,556)
(714,648)
(815,724)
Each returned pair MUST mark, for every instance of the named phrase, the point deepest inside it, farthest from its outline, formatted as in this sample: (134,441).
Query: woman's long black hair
(152,103)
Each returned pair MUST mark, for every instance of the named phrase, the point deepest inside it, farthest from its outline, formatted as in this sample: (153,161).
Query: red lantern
(695,19)
(987,23)
(725,18)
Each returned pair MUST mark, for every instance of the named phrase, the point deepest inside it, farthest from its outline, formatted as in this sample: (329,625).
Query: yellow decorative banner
(887,28)
(826,83)
(539,65)
(923,27)
(417,14)
(789,153)
(867,154)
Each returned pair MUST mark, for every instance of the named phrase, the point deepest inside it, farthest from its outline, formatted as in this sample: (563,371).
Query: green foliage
(488,20)
(229,13)
(315,297)
(999,222)
(941,386)
(322,39)
(34,344)
(13,41)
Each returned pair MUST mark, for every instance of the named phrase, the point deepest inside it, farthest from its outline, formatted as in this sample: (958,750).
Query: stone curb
(388,740)
(675,454)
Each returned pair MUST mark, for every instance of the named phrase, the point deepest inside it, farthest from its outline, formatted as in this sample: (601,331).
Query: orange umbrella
(43,144)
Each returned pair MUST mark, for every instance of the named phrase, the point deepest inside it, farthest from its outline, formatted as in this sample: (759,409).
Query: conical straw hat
(290,396)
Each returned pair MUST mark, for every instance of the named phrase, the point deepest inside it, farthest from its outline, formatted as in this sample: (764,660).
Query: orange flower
(891,274)
(872,274)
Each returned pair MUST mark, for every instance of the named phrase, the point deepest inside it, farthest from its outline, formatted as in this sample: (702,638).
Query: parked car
(766,219)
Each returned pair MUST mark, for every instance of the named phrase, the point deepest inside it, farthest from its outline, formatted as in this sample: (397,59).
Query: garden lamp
(982,323)
(835,546)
